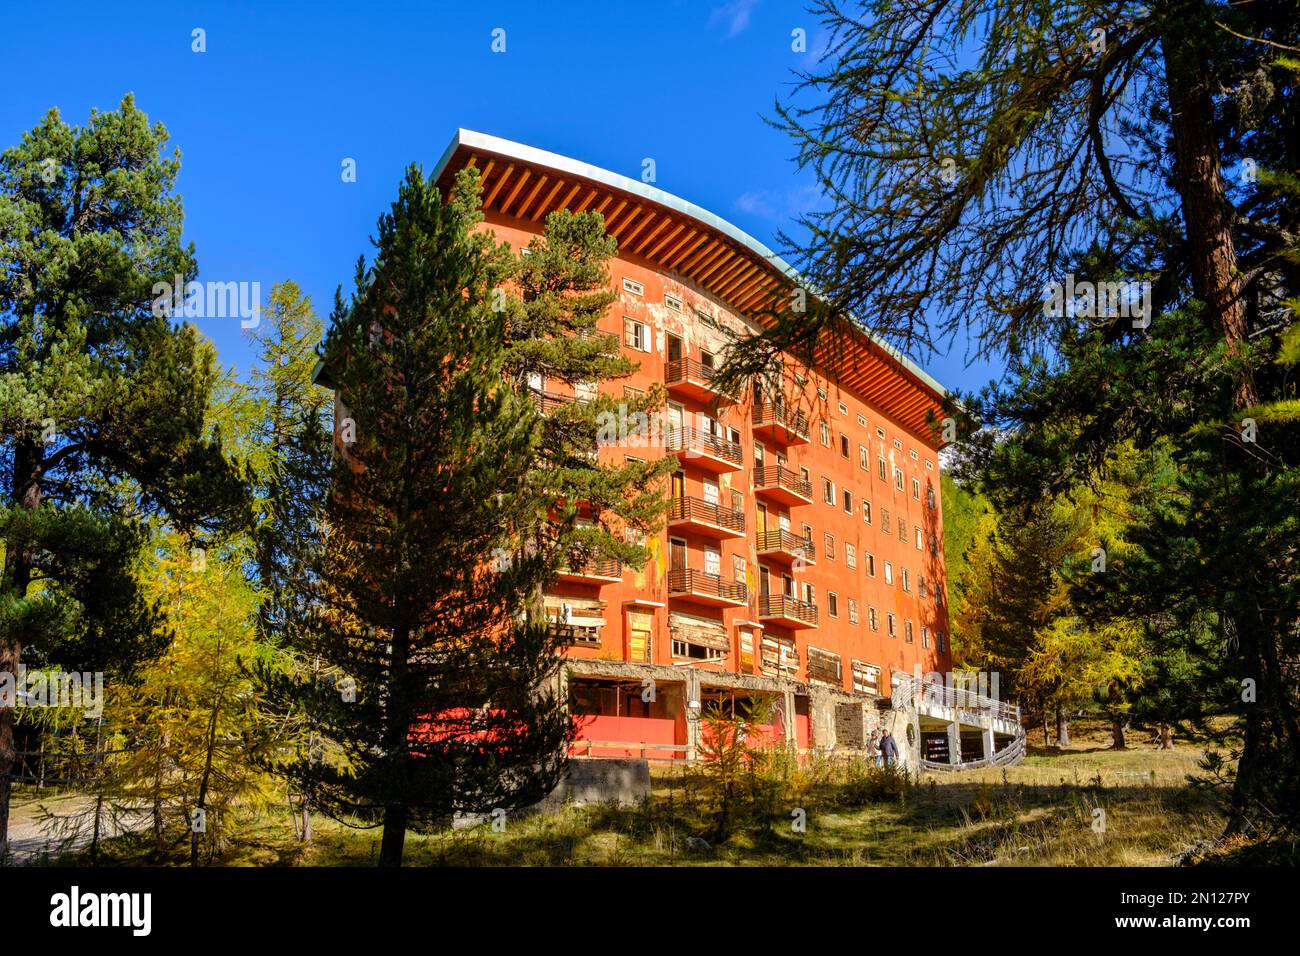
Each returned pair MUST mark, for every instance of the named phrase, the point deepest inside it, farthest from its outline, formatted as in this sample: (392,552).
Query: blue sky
(286,91)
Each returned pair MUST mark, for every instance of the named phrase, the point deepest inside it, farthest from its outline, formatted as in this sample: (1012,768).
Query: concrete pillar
(954,743)
(691,695)
(987,736)
(787,704)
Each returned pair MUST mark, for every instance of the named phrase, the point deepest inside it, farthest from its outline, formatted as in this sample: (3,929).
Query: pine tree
(562,289)
(439,531)
(102,401)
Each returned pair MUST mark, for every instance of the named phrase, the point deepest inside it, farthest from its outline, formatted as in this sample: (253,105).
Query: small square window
(673,302)
(636,288)
(844,409)
(862,420)
(636,335)
(832,604)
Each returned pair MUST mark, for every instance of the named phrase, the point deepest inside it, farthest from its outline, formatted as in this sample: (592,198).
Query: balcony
(780,424)
(711,452)
(706,588)
(549,402)
(591,570)
(693,379)
(782,545)
(703,517)
(778,483)
(787,611)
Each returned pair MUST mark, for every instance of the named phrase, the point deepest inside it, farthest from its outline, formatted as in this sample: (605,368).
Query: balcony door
(711,492)
(674,348)
(764,581)
(676,554)
(712,562)
(679,486)
(762,521)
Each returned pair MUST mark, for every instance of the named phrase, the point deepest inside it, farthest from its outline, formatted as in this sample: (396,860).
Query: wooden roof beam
(523,180)
(532,194)
(654,232)
(487,203)
(541,207)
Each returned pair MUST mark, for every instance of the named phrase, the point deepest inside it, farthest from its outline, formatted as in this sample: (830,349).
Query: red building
(803,555)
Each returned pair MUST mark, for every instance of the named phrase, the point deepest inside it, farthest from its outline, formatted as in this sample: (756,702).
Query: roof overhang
(524,184)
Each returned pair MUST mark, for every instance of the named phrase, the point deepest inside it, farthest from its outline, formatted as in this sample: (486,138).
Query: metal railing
(773,414)
(778,476)
(696,509)
(779,539)
(593,567)
(782,605)
(685,370)
(695,442)
(691,581)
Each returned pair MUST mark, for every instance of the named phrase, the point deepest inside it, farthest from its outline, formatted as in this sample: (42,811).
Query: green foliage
(863,784)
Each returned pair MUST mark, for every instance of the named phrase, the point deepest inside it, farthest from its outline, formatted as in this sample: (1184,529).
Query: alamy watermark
(209,300)
(77,690)
(1124,298)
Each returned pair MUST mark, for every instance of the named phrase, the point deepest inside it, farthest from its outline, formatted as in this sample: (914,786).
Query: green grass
(1038,813)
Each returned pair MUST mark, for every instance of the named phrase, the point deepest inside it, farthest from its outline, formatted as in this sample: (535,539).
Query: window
(907,580)
(828,491)
(821,394)
(873,619)
(939,642)
(847,497)
(712,562)
(673,302)
(898,478)
(824,666)
(636,288)
(880,466)
(911,453)
(938,595)
(934,544)
(907,632)
(871,564)
(738,569)
(925,637)
(880,432)
(920,539)
(862,420)
(864,458)
(636,335)
(916,488)
(891,625)
(885,526)
(920,587)
(807,533)
(898,443)
(889,573)
(825,431)
(866,511)
(697,652)
(929,494)
(809,594)
(844,409)
(830,545)
(929,465)
(832,604)
(850,555)
(853,611)
(806,476)
(866,678)
(902,529)
(844,446)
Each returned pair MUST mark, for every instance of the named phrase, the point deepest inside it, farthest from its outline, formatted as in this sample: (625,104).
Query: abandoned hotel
(802,558)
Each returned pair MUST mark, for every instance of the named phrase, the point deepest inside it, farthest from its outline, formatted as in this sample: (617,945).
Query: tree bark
(202,803)
(1117,730)
(25,491)
(1062,727)
(1207,214)
(396,744)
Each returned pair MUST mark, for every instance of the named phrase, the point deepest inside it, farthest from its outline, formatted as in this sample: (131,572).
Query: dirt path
(32,840)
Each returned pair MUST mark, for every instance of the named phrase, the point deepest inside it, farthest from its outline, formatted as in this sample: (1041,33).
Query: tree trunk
(26,493)
(1166,737)
(211,745)
(1047,738)
(1117,730)
(396,744)
(390,850)
(1207,215)
(1062,727)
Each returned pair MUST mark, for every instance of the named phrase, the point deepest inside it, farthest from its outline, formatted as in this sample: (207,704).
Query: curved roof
(673,235)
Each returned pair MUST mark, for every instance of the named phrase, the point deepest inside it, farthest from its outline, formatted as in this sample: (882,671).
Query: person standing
(888,749)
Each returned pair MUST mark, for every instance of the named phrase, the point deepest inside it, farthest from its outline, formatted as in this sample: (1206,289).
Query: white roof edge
(564,164)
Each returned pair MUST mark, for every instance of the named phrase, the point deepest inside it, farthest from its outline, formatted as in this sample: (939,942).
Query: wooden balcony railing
(771,414)
(778,476)
(696,509)
(778,539)
(691,581)
(695,442)
(782,605)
